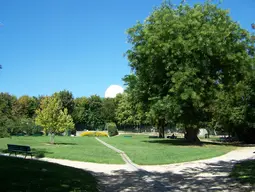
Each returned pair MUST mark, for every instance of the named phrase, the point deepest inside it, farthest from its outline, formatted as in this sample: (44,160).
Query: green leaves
(183,56)
(52,118)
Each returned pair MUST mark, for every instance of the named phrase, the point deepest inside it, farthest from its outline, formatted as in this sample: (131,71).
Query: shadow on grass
(57,143)
(33,175)
(244,171)
(37,153)
(181,142)
(184,142)
(40,153)
(210,177)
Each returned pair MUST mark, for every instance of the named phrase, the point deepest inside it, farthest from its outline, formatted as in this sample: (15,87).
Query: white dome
(112,91)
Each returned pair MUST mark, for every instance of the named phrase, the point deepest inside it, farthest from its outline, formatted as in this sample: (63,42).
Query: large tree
(66,100)
(80,113)
(52,118)
(94,112)
(25,106)
(182,56)
(108,110)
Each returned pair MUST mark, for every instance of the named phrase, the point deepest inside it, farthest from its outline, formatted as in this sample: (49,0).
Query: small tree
(52,118)
(112,129)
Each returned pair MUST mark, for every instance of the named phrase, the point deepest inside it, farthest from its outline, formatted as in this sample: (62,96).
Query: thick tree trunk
(191,134)
(161,129)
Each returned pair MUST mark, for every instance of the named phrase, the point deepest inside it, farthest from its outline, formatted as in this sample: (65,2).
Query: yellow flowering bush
(94,134)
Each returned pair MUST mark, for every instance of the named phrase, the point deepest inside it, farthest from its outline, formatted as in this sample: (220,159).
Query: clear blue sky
(78,45)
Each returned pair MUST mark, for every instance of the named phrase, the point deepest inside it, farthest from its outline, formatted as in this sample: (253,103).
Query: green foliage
(80,115)
(25,106)
(89,112)
(95,118)
(52,118)
(112,129)
(183,58)
(108,109)
(66,100)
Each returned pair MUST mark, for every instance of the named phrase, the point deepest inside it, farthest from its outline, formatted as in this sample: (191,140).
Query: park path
(204,175)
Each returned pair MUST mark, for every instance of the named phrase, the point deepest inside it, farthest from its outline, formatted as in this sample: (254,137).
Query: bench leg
(25,156)
(15,154)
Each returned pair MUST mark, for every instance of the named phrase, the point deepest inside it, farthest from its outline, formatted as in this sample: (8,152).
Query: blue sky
(78,45)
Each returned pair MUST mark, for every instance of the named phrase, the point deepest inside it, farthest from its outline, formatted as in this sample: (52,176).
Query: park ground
(150,175)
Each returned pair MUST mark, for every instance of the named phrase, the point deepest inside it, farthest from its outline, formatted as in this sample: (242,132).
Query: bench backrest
(12,147)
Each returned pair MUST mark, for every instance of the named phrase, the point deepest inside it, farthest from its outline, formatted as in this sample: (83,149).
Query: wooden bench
(19,149)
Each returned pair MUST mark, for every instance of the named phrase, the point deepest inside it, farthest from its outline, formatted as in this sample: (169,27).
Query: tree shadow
(178,141)
(37,153)
(57,143)
(244,171)
(33,175)
(207,177)
(184,142)
(40,153)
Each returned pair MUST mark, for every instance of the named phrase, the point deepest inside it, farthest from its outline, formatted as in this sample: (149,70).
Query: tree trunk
(191,134)
(161,129)
(52,136)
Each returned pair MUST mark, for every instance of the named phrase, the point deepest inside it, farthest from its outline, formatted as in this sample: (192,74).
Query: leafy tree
(67,100)
(123,112)
(80,115)
(25,106)
(52,118)
(6,104)
(94,111)
(108,110)
(184,55)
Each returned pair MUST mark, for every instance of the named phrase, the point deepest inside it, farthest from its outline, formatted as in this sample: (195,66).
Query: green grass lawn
(244,172)
(31,175)
(74,148)
(148,151)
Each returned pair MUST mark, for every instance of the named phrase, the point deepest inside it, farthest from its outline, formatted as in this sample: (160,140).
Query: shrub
(101,134)
(94,134)
(112,129)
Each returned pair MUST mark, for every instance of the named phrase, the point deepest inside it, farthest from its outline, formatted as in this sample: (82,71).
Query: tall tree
(67,100)
(108,110)
(25,106)
(80,113)
(52,118)
(185,55)
(95,118)
(6,103)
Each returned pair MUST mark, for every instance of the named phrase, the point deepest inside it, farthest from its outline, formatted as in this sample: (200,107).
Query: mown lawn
(73,148)
(31,175)
(150,151)
(244,172)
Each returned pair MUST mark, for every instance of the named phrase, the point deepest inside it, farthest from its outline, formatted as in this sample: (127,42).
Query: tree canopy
(182,57)
(52,118)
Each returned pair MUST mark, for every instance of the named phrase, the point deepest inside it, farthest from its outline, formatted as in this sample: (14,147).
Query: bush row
(94,134)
